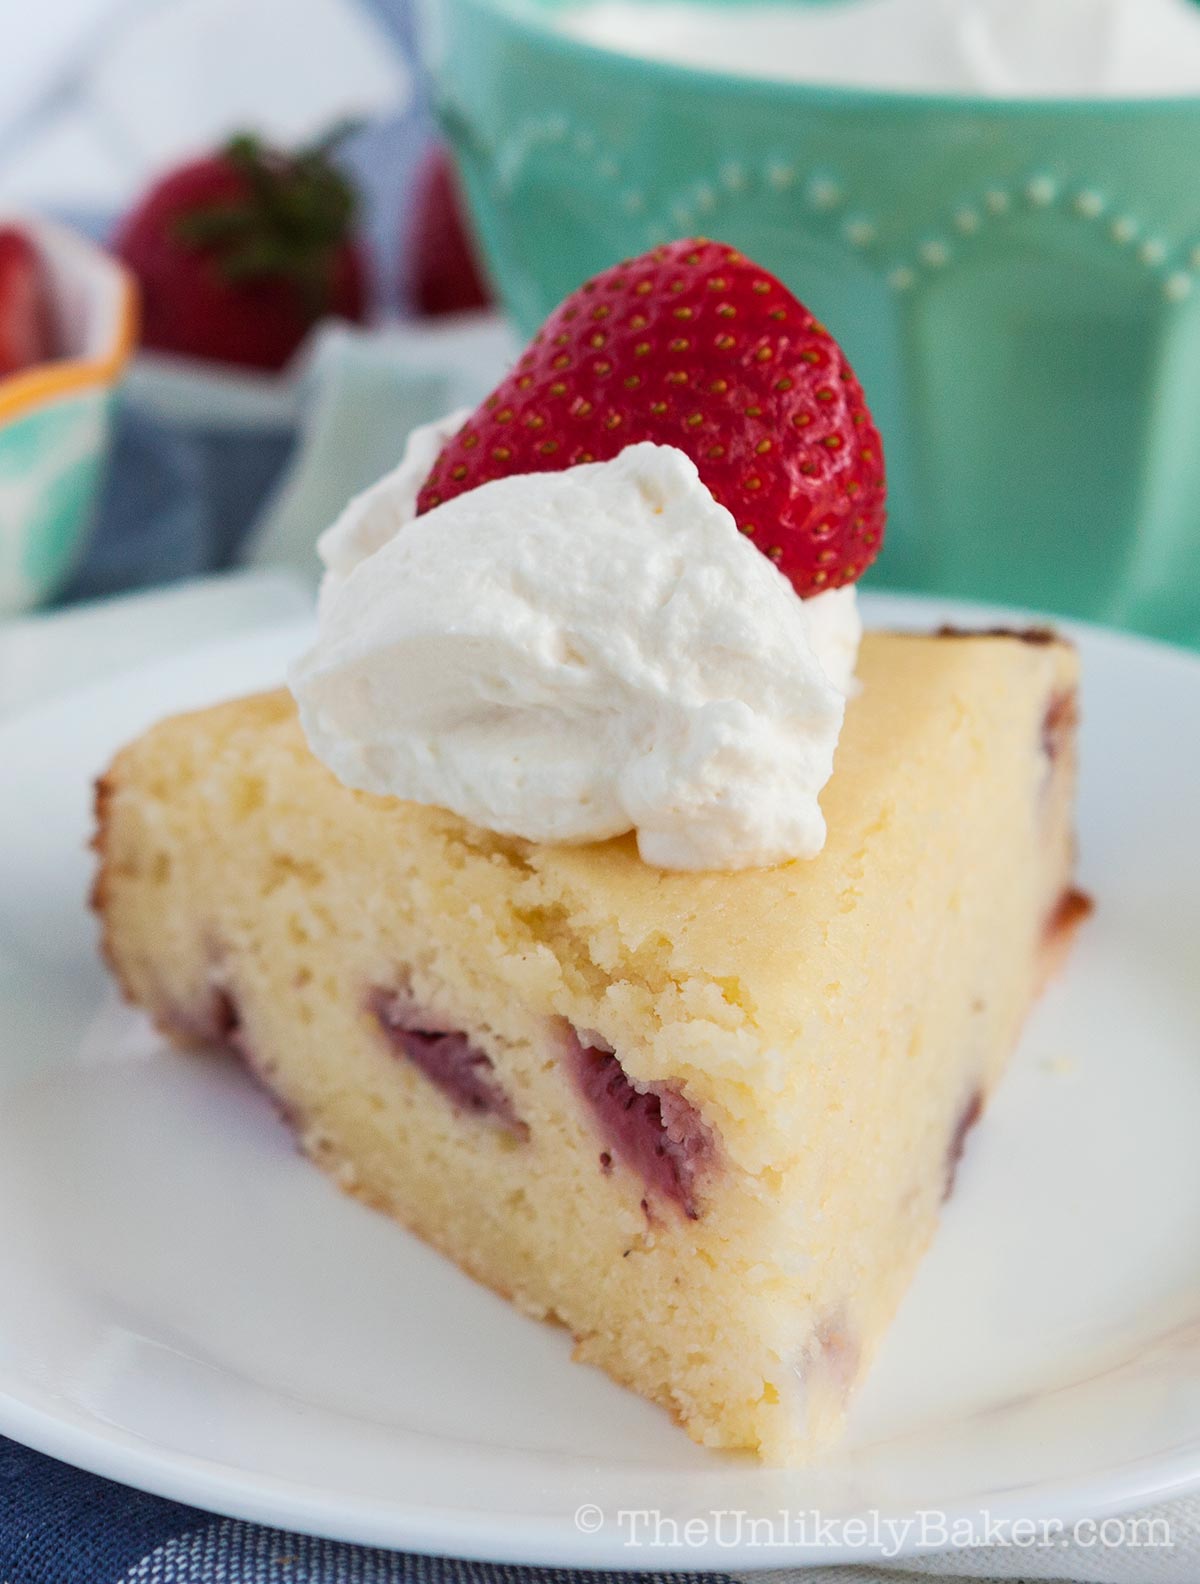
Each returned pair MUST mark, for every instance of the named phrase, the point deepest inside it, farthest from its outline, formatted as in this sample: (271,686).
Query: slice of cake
(706,1120)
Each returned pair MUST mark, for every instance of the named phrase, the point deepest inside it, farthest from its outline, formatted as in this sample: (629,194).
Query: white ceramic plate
(189,1307)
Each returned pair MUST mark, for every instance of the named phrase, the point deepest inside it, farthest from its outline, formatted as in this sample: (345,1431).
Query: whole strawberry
(443,266)
(240,253)
(694,346)
(26,316)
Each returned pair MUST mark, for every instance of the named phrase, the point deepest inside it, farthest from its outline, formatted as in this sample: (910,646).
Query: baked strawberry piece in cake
(579,909)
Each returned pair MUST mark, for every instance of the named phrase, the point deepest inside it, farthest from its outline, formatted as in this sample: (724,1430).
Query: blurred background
(164,468)
(992,203)
(99,97)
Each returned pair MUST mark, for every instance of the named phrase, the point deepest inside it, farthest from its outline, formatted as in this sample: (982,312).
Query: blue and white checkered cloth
(59,1525)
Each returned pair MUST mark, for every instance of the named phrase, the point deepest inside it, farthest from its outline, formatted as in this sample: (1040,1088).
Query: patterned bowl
(54,418)
(1016,282)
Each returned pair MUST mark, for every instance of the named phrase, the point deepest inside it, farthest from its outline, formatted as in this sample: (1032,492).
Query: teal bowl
(1017,282)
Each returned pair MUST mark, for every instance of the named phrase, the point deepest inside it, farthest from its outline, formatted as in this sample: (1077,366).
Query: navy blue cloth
(61,1526)
(176,502)
(58,1524)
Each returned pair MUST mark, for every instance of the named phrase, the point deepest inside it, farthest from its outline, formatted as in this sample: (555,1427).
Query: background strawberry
(26,315)
(444,274)
(240,253)
(694,346)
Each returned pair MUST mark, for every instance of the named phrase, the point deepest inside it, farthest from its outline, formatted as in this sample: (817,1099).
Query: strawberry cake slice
(525,908)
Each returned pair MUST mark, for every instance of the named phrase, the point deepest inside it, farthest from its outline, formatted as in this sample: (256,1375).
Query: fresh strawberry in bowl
(694,346)
(240,253)
(444,273)
(27,333)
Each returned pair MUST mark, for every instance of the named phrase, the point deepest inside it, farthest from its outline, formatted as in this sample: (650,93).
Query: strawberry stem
(297,211)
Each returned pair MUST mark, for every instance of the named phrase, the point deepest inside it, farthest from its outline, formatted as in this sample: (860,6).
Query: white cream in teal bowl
(55,417)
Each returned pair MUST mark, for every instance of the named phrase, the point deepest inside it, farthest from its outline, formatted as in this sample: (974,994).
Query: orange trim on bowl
(33,387)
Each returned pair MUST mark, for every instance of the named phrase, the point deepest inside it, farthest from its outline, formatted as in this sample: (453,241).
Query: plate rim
(222,1490)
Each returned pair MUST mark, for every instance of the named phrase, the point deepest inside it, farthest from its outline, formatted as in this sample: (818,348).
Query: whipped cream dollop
(569,656)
